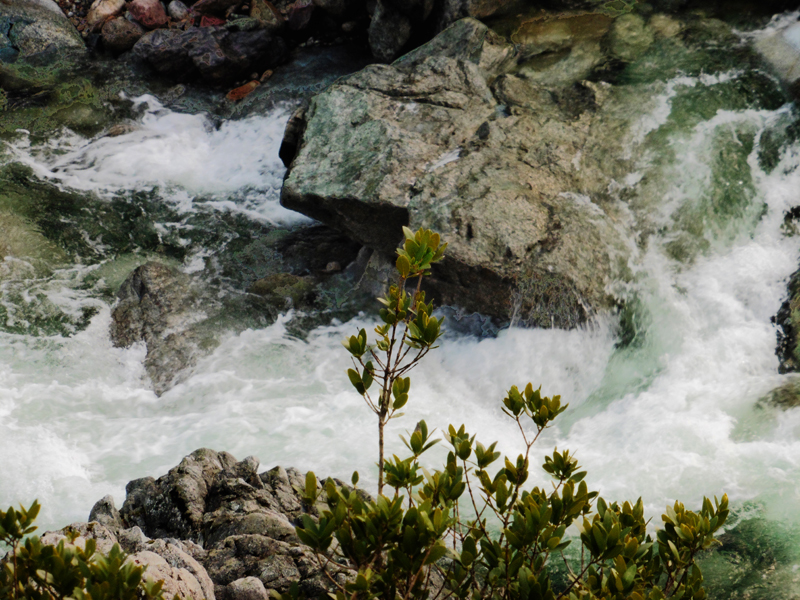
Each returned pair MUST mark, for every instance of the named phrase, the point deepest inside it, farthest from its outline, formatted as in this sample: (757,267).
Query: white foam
(180,154)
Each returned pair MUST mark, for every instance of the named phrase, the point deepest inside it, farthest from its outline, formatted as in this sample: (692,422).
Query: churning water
(676,411)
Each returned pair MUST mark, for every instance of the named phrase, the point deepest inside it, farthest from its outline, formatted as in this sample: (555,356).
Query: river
(672,406)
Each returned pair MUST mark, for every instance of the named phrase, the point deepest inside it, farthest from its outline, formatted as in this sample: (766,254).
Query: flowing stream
(671,406)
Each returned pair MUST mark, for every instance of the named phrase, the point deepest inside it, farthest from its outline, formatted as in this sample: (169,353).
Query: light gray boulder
(506,170)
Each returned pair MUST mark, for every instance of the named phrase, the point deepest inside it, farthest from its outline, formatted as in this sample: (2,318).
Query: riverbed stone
(120,35)
(427,142)
(148,13)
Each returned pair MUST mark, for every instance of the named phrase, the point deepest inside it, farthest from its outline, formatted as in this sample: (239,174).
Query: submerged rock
(158,305)
(781,50)
(504,168)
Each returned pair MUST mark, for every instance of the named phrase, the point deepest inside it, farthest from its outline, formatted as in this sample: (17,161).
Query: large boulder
(506,169)
(29,27)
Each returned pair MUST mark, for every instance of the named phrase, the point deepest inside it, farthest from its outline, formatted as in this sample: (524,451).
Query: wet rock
(149,13)
(120,35)
(158,305)
(781,51)
(102,11)
(389,30)
(212,53)
(177,10)
(426,141)
(285,290)
(29,27)
(629,38)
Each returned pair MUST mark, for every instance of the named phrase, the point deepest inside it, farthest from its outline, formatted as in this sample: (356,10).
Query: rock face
(213,527)
(28,27)
(504,168)
(157,305)
(215,54)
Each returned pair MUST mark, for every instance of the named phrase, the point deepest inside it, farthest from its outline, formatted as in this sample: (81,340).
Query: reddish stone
(149,13)
(206,21)
(242,91)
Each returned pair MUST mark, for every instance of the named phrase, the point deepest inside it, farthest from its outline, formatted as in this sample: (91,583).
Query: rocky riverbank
(211,528)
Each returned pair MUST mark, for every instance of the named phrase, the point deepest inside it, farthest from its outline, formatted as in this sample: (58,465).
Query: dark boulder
(215,54)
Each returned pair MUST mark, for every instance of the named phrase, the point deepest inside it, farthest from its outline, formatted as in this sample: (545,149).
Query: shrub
(420,542)
(37,571)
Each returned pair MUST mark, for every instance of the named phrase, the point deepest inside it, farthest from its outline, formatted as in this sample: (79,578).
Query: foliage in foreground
(37,571)
(471,531)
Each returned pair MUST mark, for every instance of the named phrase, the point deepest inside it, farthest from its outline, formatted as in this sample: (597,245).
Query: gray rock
(177,10)
(426,142)
(158,305)
(132,540)
(105,512)
(174,505)
(178,556)
(34,26)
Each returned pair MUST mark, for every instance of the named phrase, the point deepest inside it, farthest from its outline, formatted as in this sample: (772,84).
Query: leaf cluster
(37,571)
(475,528)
